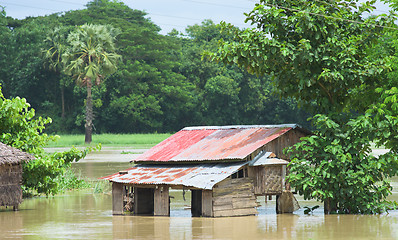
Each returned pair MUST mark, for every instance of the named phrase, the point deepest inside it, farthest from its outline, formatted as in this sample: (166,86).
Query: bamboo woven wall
(234,197)
(272,179)
(267,180)
(10,185)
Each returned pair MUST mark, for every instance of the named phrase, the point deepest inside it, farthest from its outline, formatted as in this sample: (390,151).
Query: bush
(20,129)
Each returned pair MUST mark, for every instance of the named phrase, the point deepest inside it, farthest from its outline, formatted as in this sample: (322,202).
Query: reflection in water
(83,215)
(225,228)
(287,226)
(10,221)
(134,227)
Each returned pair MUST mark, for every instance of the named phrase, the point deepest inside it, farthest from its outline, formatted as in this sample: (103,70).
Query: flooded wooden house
(224,167)
(11,175)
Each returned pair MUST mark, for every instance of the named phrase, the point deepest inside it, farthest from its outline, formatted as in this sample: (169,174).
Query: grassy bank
(112,140)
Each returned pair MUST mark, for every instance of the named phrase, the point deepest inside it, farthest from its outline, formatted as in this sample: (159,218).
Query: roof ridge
(240,127)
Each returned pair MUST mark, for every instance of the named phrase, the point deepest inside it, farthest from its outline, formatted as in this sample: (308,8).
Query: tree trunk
(63,102)
(330,206)
(89,114)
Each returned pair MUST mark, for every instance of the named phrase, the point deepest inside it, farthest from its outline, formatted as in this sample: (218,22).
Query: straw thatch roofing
(12,156)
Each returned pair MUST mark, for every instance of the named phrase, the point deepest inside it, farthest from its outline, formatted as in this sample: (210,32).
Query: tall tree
(147,93)
(321,53)
(56,44)
(5,43)
(89,57)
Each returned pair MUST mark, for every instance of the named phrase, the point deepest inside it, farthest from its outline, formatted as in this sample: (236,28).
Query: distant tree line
(161,84)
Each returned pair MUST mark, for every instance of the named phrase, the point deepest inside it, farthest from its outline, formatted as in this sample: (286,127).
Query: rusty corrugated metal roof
(212,143)
(202,176)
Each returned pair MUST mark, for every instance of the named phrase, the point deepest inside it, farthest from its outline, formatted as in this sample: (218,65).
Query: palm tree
(90,57)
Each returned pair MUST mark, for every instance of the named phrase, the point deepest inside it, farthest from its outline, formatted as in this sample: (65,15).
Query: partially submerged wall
(147,200)
(234,197)
(10,185)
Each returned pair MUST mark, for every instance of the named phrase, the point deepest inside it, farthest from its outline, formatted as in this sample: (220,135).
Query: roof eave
(171,162)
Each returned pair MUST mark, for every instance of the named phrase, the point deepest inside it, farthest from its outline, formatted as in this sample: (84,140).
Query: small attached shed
(11,175)
(224,167)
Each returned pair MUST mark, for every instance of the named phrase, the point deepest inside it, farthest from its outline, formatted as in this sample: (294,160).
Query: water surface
(85,215)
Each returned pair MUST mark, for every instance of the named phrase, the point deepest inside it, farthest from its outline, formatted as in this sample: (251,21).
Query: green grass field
(112,140)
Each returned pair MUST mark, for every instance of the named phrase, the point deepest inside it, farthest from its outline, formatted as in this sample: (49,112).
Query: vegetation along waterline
(21,129)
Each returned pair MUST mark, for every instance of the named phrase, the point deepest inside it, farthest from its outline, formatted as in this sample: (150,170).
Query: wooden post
(207,203)
(283,177)
(161,201)
(329,206)
(117,198)
(278,205)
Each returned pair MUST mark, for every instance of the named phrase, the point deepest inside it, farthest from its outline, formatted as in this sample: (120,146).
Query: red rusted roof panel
(203,176)
(174,145)
(213,143)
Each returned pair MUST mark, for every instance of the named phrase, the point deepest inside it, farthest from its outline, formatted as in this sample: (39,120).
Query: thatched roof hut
(11,175)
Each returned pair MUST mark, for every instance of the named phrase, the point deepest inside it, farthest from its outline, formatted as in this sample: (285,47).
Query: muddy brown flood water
(85,215)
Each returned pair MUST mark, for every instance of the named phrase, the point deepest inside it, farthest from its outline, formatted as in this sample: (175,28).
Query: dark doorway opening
(144,199)
(196,203)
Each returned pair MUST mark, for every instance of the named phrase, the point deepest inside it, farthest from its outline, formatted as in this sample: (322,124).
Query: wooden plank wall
(277,146)
(161,201)
(286,140)
(207,203)
(256,174)
(117,198)
(234,197)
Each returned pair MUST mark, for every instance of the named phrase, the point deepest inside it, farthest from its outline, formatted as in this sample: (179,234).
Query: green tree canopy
(316,51)
(5,35)
(228,94)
